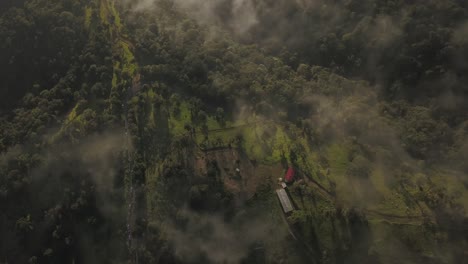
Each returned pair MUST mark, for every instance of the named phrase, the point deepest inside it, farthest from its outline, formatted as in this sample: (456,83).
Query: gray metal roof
(285,201)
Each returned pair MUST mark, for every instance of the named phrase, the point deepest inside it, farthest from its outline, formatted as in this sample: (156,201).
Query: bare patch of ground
(241,176)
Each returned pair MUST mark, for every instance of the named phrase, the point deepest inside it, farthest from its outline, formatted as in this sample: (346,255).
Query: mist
(209,235)
(367,100)
(73,196)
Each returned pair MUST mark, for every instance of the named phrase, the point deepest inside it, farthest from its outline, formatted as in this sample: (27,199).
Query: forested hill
(405,46)
(156,131)
(413,50)
(5,5)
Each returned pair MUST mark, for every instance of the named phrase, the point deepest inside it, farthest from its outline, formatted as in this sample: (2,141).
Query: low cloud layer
(210,236)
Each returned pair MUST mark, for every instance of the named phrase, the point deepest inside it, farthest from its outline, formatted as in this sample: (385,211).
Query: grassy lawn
(338,159)
(129,66)
(177,122)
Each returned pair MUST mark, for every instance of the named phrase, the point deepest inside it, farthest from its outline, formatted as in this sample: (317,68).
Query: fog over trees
(155,131)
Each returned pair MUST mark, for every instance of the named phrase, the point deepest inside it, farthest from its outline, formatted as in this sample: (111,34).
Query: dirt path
(397,219)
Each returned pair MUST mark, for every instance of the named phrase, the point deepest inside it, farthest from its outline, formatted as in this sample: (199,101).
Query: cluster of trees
(415,51)
(50,64)
(62,81)
(402,44)
(41,41)
(56,77)
(276,88)
(54,212)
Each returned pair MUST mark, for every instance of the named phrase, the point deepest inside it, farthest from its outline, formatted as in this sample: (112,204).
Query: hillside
(156,131)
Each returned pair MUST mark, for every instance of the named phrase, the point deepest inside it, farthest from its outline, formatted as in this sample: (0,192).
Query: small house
(285,201)
(289,177)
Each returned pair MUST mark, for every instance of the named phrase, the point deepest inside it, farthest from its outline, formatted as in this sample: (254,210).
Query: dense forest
(156,131)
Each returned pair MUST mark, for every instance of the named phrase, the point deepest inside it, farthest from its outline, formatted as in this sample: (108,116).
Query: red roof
(289,175)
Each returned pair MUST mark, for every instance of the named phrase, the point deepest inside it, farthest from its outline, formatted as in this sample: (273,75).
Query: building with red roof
(289,177)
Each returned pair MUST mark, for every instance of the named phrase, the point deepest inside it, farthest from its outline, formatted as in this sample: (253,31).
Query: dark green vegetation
(122,125)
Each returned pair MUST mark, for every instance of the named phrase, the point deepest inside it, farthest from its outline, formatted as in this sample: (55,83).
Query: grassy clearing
(213,124)
(73,113)
(378,180)
(129,66)
(337,156)
(177,122)
(269,143)
(280,144)
(395,205)
(252,143)
(73,118)
(338,159)
(266,142)
(391,202)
